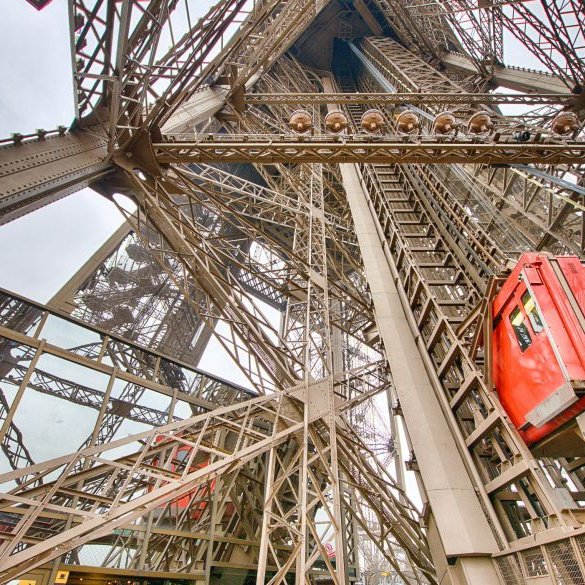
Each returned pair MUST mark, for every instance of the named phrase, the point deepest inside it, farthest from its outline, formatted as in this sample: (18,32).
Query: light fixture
(372,121)
(444,123)
(522,136)
(336,122)
(480,123)
(565,123)
(407,122)
(300,122)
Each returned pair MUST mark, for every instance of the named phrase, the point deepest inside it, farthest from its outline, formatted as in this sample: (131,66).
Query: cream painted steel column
(462,526)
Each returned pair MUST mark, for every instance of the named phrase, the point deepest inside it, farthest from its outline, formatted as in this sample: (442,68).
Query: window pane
(520,329)
(182,454)
(532,312)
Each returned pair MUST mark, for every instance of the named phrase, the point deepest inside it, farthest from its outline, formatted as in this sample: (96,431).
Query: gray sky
(35,67)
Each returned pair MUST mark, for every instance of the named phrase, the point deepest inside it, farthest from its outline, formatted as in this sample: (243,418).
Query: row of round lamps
(408,122)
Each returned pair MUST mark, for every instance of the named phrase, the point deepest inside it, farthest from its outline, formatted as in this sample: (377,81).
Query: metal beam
(516,78)
(41,170)
(419,99)
(392,149)
(445,476)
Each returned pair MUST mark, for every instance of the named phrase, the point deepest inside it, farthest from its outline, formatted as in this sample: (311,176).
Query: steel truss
(442,99)
(92,475)
(375,250)
(425,258)
(395,149)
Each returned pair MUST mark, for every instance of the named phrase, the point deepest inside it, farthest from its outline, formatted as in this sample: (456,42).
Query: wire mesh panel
(510,571)
(564,563)
(534,562)
(580,541)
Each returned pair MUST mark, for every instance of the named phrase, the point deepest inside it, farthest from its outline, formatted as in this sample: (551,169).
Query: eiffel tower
(330,191)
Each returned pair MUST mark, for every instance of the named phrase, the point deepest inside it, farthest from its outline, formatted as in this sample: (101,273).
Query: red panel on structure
(201,493)
(538,311)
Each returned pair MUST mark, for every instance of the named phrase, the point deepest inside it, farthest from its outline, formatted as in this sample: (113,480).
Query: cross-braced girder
(90,471)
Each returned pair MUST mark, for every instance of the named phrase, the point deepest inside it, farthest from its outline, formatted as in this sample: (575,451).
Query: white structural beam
(518,79)
(200,107)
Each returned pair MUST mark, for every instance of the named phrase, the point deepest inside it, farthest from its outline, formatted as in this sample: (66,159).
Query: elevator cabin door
(531,379)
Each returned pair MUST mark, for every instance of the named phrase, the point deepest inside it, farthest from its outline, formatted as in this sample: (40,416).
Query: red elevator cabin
(198,499)
(538,350)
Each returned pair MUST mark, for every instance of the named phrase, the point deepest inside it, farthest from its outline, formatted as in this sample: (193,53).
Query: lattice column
(315,467)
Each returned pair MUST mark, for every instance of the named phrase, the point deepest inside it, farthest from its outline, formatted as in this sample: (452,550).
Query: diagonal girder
(142,480)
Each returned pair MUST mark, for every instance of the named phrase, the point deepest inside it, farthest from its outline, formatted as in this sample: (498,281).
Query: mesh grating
(564,563)
(534,562)
(510,571)
(580,540)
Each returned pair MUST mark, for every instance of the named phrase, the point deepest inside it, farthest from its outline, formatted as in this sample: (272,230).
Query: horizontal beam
(302,99)
(130,375)
(389,150)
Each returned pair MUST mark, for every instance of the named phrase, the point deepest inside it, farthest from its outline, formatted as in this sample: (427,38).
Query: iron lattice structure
(377,251)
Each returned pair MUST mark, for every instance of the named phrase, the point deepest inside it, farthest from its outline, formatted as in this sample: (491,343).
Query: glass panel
(15,359)
(139,404)
(72,336)
(124,429)
(170,374)
(520,329)
(130,359)
(184,410)
(52,427)
(532,312)
(69,380)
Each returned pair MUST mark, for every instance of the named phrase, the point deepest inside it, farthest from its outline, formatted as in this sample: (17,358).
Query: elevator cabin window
(532,312)
(520,329)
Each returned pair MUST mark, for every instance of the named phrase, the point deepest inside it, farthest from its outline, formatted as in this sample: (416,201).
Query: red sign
(330,551)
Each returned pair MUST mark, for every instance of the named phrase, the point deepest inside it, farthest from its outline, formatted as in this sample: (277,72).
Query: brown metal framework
(274,149)
(378,252)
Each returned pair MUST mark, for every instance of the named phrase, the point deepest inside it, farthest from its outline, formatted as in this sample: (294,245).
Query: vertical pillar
(463,536)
